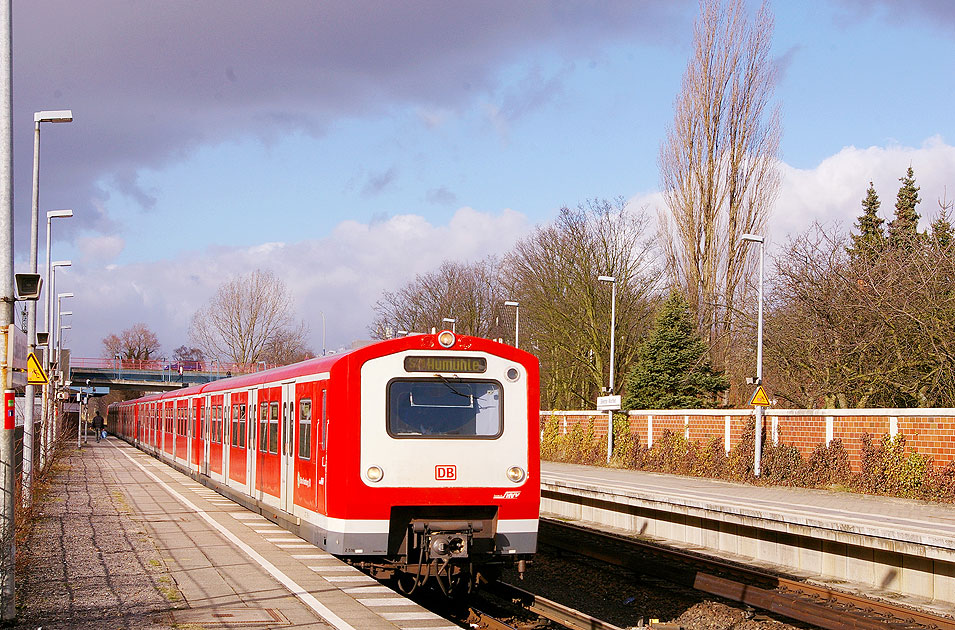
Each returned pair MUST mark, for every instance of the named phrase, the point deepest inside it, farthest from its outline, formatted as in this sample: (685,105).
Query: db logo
(445,473)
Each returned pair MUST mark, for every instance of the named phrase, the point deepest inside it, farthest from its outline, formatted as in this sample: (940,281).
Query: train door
(321,445)
(190,420)
(250,445)
(226,422)
(206,414)
(287,465)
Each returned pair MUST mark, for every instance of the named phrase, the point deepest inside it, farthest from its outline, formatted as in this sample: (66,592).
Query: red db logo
(445,473)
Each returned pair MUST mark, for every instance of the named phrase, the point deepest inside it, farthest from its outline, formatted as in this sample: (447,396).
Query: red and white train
(415,457)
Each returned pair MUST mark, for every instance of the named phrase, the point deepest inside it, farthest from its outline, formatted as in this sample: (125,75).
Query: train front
(449,459)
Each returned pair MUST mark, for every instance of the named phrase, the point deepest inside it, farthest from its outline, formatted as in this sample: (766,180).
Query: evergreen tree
(672,370)
(871,238)
(942,231)
(903,229)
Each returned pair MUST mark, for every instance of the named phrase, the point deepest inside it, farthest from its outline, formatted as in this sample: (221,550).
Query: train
(416,459)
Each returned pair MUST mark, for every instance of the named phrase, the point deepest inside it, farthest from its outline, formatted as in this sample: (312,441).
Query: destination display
(468,365)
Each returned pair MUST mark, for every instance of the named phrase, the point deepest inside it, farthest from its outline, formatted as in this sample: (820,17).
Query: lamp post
(450,320)
(46,427)
(323,332)
(60,327)
(517,319)
(753,238)
(29,392)
(613,324)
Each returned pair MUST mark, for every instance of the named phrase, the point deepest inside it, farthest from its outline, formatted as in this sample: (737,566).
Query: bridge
(154,375)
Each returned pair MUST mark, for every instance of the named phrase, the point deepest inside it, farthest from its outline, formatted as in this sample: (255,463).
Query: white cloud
(342,275)
(832,192)
(100,248)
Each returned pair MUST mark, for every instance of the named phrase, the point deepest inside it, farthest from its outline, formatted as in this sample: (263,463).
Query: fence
(930,431)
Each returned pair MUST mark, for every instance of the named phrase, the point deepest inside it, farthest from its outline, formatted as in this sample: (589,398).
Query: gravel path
(90,564)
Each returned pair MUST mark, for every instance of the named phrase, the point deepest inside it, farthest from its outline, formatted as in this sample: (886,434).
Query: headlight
(374,474)
(446,338)
(515,474)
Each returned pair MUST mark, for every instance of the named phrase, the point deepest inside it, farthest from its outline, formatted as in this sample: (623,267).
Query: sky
(349,145)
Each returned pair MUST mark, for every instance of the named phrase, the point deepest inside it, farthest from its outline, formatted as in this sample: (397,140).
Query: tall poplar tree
(718,167)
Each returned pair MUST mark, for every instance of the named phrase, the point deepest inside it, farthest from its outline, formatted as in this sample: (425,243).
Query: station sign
(608,403)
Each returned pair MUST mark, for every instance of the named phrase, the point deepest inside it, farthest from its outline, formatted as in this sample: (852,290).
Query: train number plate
(447,472)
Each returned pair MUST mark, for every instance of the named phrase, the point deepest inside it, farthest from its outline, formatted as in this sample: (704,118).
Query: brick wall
(931,432)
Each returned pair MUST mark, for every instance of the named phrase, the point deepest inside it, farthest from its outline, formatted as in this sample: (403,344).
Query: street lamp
(753,238)
(52,214)
(613,324)
(450,320)
(517,319)
(60,327)
(30,393)
(51,267)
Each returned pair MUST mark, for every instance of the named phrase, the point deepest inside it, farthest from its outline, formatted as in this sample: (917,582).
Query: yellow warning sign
(35,373)
(759,397)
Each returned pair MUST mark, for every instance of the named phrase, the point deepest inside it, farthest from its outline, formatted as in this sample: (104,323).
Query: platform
(898,548)
(127,541)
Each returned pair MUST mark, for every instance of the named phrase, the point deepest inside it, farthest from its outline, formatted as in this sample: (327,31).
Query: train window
(241,440)
(264,427)
(445,408)
(324,419)
(274,427)
(305,428)
(235,425)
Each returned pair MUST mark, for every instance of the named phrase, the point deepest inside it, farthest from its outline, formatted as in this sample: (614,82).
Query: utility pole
(8,608)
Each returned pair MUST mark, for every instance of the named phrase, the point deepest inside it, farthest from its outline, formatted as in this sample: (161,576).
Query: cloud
(100,248)
(341,275)
(377,182)
(150,83)
(832,192)
(441,196)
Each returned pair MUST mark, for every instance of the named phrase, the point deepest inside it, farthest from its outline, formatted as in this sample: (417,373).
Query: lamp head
(55,116)
(52,214)
(754,238)
(606,279)
(511,303)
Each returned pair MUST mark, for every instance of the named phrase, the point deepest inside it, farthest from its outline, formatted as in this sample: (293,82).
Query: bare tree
(288,346)
(184,353)
(244,317)
(875,331)
(718,165)
(565,311)
(137,342)
(469,293)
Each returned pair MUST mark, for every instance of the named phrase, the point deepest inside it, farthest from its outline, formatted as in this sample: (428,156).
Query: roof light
(446,338)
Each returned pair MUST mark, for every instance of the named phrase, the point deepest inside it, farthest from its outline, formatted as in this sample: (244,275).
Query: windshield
(444,408)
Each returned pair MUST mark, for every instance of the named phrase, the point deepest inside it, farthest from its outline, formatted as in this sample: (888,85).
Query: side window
(324,419)
(274,427)
(264,427)
(235,425)
(305,428)
(241,440)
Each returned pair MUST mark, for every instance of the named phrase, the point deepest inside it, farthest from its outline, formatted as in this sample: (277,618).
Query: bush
(828,466)
(887,469)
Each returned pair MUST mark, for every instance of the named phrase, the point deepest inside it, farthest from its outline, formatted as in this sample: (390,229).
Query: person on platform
(98,424)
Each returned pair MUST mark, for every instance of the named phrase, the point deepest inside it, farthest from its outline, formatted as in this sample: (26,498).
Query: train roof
(325,364)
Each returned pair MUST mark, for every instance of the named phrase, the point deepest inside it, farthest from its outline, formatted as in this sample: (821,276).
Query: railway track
(555,612)
(807,603)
